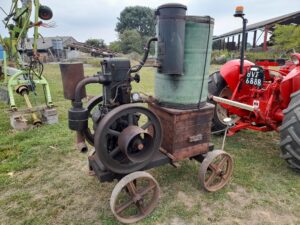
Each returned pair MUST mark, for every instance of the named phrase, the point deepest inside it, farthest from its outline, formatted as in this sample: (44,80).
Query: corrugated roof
(284,19)
(46,42)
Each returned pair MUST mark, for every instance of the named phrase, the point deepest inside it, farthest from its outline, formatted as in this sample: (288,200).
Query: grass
(44,180)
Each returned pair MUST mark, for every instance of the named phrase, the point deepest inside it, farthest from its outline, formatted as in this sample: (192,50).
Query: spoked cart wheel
(216,170)
(134,197)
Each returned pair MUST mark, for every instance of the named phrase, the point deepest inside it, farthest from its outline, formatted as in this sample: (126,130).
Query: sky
(84,19)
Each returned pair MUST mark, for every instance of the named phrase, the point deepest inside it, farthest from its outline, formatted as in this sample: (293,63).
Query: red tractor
(260,98)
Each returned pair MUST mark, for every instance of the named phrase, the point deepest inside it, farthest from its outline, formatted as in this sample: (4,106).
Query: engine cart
(130,138)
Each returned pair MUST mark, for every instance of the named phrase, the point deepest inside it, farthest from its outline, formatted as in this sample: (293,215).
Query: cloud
(84,19)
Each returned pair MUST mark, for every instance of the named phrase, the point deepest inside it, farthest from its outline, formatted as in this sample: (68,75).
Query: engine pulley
(136,143)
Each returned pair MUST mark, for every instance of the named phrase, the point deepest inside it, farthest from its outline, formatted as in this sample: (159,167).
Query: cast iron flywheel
(127,138)
(91,106)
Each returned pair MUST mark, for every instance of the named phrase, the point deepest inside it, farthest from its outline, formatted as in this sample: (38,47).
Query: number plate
(255,76)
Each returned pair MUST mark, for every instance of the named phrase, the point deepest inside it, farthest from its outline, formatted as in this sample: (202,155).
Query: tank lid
(172,5)
(201,19)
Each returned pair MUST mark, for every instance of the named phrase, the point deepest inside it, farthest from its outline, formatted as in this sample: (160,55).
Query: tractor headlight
(295,60)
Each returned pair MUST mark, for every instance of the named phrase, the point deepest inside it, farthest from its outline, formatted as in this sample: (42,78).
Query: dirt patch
(262,216)
(240,197)
(174,221)
(188,201)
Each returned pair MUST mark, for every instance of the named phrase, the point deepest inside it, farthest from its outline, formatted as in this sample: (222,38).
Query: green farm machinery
(20,77)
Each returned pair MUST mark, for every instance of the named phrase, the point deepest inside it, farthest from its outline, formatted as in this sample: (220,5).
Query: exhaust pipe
(80,143)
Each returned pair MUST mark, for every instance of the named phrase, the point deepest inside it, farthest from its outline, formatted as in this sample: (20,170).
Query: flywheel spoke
(113,132)
(130,119)
(115,151)
(146,125)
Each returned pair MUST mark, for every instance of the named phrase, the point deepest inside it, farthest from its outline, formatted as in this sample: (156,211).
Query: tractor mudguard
(230,71)
(289,85)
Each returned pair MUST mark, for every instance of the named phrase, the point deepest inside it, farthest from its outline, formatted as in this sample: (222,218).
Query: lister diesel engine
(175,125)
(125,135)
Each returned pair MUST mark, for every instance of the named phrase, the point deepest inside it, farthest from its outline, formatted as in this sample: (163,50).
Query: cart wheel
(134,197)
(216,170)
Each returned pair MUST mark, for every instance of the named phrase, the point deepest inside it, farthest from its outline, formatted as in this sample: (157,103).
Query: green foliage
(115,46)
(135,26)
(286,37)
(131,41)
(97,43)
(137,18)
(252,56)
(222,56)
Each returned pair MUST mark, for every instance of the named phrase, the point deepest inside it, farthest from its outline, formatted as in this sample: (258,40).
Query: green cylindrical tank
(190,89)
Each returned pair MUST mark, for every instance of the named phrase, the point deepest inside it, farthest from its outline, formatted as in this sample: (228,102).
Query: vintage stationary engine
(122,138)
(129,137)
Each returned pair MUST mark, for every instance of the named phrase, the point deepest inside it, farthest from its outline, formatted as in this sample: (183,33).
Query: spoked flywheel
(127,138)
(134,197)
(92,105)
(216,170)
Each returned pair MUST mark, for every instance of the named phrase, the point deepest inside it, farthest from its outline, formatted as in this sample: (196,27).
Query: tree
(286,37)
(131,40)
(137,18)
(115,46)
(96,43)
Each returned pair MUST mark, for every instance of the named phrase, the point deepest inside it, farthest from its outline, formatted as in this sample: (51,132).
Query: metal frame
(23,14)
(159,159)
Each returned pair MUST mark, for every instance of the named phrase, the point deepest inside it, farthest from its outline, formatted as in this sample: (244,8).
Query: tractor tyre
(217,86)
(290,133)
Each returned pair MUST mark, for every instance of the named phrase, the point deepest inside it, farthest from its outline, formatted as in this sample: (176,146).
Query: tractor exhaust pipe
(239,12)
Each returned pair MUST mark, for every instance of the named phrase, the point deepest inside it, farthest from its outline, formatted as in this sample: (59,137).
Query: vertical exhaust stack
(72,74)
(171,35)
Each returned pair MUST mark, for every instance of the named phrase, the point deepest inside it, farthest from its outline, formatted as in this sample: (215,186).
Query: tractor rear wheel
(217,86)
(290,133)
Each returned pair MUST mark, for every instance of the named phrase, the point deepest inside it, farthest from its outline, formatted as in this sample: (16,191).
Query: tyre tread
(216,84)
(290,133)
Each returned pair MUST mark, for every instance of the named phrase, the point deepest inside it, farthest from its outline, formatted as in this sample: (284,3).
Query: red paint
(273,97)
